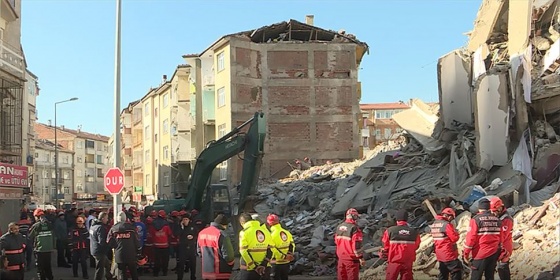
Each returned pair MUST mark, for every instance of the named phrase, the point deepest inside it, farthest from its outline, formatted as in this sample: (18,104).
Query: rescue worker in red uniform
(215,250)
(79,237)
(399,247)
(482,243)
(173,221)
(13,245)
(497,207)
(348,238)
(161,234)
(445,245)
(148,249)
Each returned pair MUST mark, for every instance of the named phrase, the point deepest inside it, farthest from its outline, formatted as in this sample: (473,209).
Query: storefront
(13,180)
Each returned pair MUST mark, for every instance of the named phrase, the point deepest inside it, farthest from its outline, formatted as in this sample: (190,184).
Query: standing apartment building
(13,166)
(378,124)
(44,165)
(90,159)
(29,111)
(304,78)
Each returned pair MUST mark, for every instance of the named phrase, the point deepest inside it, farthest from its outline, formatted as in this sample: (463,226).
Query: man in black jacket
(187,234)
(124,238)
(99,247)
(12,244)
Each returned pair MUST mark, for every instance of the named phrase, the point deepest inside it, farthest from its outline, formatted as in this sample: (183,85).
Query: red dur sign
(13,175)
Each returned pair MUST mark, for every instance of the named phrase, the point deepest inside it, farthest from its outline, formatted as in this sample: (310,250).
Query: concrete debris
(496,134)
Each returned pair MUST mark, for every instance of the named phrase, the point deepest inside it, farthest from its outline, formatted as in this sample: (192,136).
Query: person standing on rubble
(348,239)
(445,245)
(284,248)
(399,248)
(497,207)
(482,243)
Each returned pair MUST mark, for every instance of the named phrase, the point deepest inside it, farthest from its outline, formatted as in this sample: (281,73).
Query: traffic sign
(114,180)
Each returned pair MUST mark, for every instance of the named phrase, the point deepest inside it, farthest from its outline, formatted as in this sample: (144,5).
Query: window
(147,132)
(65,159)
(223,171)
(377,132)
(147,109)
(388,133)
(66,175)
(99,159)
(365,142)
(99,173)
(53,174)
(165,100)
(165,126)
(147,156)
(155,112)
(66,190)
(45,174)
(174,130)
(47,158)
(147,183)
(90,144)
(221,130)
(100,147)
(90,179)
(79,159)
(221,60)
(36,155)
(79,144)
(221,97)
(166,179)
(46,190)
(155,137)
(165,152)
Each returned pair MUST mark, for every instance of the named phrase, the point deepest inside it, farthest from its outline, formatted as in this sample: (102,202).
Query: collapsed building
(496,134)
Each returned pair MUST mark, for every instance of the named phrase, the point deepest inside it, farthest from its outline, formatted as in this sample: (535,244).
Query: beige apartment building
(44,179)
(91,159)
(29,113)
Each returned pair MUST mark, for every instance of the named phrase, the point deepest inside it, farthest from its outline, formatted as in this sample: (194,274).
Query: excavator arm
(230,145)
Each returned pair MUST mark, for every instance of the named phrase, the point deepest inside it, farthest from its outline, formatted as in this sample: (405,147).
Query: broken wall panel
(519,25)
(486,18)
(491,121)
(454,90)
(420,124)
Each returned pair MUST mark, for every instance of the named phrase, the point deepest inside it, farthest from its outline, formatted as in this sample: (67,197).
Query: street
(61,273)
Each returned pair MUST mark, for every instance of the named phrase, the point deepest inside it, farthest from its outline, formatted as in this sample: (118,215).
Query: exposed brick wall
(314,116)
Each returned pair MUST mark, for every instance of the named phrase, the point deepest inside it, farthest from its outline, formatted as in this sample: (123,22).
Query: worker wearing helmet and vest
(12,243)
(161,234)
(79,237)
(445,244)
(483,241)
(348,239)
(400,244)
(255,245)
(497,207)
(215,249)
(43,244)
(283,248)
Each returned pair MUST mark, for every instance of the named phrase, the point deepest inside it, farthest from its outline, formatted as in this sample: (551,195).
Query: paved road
(66,274)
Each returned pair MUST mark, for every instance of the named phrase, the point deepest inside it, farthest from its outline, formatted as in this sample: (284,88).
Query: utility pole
(117,128)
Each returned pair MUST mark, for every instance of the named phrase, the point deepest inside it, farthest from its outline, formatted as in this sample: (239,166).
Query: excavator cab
(218,201)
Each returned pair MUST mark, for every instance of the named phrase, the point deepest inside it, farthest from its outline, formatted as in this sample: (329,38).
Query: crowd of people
(139,242)
(487,249)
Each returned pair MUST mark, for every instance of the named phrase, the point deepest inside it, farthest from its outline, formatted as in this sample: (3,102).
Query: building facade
(378,125)
(44,165)
(12,82)
(29,110)
(91,158)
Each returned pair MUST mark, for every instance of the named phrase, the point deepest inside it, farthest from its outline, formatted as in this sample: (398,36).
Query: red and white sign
(13,175)
(114,180)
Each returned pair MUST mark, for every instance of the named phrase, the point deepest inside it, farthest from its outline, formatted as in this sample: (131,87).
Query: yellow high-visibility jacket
(254,245)
(283,243)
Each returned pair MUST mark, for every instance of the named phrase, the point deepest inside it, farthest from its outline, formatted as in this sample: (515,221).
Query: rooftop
(384,106)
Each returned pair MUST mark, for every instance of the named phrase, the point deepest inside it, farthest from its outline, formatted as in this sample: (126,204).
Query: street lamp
(56,148)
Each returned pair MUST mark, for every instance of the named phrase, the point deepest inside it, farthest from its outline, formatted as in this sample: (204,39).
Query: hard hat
(495,203)
(174,213)
(61,213)
(142,260)
(352,214)
(182,213)
(448,211)
(80,220)
(272,219)
(162,213)
(38,212)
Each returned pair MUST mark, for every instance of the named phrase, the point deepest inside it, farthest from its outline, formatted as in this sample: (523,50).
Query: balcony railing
(11,59)
(184,156)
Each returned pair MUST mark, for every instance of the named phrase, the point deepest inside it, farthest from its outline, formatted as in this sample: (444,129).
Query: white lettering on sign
(114,181)
(8,170)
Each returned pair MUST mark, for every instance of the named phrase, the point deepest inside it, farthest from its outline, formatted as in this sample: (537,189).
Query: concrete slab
(519,25)
(454,90)
(420,125)
(491,121)
(486,18)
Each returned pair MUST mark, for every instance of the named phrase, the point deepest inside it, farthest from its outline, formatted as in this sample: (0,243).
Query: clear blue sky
(69,45)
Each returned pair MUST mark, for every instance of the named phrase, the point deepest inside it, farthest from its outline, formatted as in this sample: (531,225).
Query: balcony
(11,59)
(184,156)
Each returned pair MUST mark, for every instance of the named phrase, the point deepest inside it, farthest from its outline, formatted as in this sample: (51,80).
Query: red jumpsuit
(483,241)
(348,239)
(507,246)
(400,242)
(445,245)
